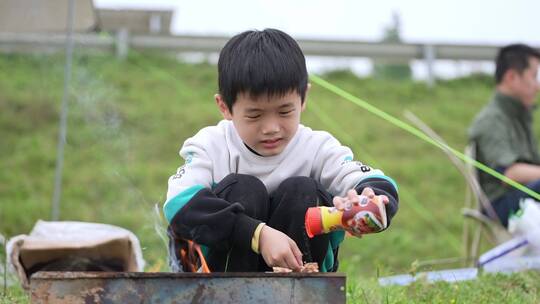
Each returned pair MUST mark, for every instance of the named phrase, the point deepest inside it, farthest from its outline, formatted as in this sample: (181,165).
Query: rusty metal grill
(130,287)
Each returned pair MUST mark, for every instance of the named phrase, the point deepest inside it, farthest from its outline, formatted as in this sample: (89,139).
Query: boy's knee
(299,185)
(248,190)
(300,192)
(242,181)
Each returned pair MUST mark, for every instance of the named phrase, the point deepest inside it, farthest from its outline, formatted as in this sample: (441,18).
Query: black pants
(284,210)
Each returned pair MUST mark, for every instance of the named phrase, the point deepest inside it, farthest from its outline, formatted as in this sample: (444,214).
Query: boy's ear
(306,97)
(223,107)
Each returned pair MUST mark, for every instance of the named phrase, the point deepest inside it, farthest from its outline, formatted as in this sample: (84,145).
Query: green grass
(127,120)
(498,288)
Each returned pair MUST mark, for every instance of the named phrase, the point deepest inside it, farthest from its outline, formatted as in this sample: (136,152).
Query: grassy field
(127,120)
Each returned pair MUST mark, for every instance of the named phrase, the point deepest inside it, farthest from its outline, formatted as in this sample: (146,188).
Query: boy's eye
(253,116)
(286,112)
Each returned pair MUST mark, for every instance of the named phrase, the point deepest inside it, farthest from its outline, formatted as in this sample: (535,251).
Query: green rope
(391,119)
(406,195)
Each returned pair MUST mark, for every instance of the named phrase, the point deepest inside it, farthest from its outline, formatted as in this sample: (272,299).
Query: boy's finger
(296,252)
(352,195)
(338,202)
(385,199)
(368,192)
(291,261)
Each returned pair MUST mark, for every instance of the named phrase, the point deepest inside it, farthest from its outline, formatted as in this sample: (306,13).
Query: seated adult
(503,131)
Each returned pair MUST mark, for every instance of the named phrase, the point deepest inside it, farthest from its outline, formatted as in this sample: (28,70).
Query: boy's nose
(270,127)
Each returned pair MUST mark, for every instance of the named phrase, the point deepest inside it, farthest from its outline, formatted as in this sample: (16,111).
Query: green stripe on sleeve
(172,206)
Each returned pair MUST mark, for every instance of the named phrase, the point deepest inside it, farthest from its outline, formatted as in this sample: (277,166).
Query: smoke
(6,278)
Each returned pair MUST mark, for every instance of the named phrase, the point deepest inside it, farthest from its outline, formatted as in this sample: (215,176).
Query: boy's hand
(277,249)
(342,203)
(352,198)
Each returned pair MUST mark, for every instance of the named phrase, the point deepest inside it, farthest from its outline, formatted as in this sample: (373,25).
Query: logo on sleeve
(348,159)
(180,172)
(189,158)
(363,167)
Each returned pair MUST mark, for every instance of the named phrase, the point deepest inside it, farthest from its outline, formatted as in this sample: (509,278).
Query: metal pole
(429,58)
(63,116)
(122,43)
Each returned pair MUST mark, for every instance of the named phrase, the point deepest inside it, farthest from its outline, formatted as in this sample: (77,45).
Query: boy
(247,182)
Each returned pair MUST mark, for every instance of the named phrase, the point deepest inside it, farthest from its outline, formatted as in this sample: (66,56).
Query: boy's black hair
(514,56)
(267,62)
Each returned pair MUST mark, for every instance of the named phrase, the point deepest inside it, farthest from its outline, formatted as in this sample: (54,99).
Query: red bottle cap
(313,222)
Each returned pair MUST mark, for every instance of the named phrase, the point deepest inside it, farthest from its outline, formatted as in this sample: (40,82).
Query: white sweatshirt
(216,151)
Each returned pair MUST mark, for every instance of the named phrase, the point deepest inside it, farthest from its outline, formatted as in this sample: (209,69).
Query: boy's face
(266,124)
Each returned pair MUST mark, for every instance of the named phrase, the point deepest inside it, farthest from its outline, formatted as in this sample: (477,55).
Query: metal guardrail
(35,42)
(123,41)
(39,42)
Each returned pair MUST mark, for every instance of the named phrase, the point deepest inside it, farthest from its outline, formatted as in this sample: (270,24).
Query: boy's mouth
(271,143)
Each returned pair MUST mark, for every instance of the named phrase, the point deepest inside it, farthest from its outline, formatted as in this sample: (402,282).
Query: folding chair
(476,223)
(475,201)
